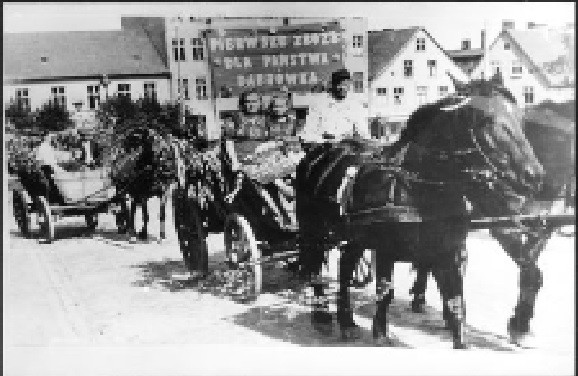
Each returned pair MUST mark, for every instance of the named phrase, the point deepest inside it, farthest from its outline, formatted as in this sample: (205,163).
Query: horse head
(481,129)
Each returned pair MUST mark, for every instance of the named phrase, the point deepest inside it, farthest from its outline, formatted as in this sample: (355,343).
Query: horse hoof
(350,332)
(380,333)
(322,322)
(521,339)
(143,235)
(460,345)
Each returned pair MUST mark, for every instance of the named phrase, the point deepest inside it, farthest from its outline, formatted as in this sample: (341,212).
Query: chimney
(508,25)
(483,45)
(466,44)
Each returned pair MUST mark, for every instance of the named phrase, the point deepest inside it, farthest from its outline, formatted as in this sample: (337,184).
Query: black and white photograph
(289,188)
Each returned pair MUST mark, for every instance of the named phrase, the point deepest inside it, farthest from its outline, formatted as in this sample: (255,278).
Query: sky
(447,22)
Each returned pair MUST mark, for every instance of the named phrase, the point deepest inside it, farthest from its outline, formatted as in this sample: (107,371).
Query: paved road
(100,290)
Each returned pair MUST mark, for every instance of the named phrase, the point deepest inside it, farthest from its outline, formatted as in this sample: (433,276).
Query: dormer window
(506,46)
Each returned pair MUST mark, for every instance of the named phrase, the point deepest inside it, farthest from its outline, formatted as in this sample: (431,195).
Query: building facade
(536,63)
(80,69)
(194,81)
(407,69)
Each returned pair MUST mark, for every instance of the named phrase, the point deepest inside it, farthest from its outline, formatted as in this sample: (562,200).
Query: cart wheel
(21,205)
(46,220)
(91,221)
(191,233)
(244,255)
(123,216)
(364,271)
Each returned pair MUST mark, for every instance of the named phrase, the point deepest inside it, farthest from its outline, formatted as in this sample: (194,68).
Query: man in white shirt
(334,116)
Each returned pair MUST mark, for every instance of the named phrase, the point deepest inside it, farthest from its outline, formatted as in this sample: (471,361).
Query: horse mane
(418,121)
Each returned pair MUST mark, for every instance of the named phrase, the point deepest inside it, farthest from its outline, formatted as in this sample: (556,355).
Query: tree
(53,117)
(19,117)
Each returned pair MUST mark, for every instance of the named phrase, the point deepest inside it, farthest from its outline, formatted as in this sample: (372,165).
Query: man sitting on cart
(333,117)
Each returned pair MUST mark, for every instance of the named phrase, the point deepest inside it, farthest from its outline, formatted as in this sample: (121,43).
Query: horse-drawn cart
(257,235)
(69,188)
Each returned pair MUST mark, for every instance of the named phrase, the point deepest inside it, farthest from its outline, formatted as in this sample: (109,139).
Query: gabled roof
(540,50)
(79,54)
(384,45)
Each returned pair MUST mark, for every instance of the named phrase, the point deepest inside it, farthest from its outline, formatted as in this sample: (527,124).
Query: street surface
(100,290)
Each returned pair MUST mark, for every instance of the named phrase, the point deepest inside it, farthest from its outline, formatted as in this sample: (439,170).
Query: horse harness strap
(328,170)
(345,191)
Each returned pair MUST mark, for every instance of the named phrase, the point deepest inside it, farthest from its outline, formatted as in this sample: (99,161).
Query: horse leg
(384,294)
(350,256)
(163,214)
(526,257)
(145,218)
(321,317)
(449,276)
(131,223)
(419,288)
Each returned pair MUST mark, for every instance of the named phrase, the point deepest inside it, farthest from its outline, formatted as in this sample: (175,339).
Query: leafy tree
(19,117)
(53,117)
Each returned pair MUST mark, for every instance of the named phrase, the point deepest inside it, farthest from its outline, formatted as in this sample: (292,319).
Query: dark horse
(441,153)
(150,174)
(550,129)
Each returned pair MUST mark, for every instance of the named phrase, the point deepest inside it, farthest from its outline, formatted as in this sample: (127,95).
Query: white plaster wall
(393,76)
(76,91)
(516,84)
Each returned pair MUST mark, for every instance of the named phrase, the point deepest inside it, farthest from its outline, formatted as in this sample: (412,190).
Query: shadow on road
(281,322)
(283,309)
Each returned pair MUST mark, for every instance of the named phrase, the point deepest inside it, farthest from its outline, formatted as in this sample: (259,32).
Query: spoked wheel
(46,220)
(191,233)
(244,256)
(21,205)
(123,215)
(364,271)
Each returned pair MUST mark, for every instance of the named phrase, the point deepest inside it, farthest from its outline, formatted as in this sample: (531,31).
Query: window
(516,68)
(184,89)
(432,68)
(22,98)
(150,91)
(58,96)
(443,91)
(397,94)
(528,94)
(506,45)
(357,82)
(43,59)
(420,44)
(495,67)
(179,49)
(382,91)
(422,95)
(408,68)
(123,90)
(201,88)
(358,41)
(197,48)
(93,93)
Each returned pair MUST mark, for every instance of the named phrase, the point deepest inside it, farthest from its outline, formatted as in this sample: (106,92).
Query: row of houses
(394,71)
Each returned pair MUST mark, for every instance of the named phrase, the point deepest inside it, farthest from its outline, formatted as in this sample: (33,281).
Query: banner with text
(298,59)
